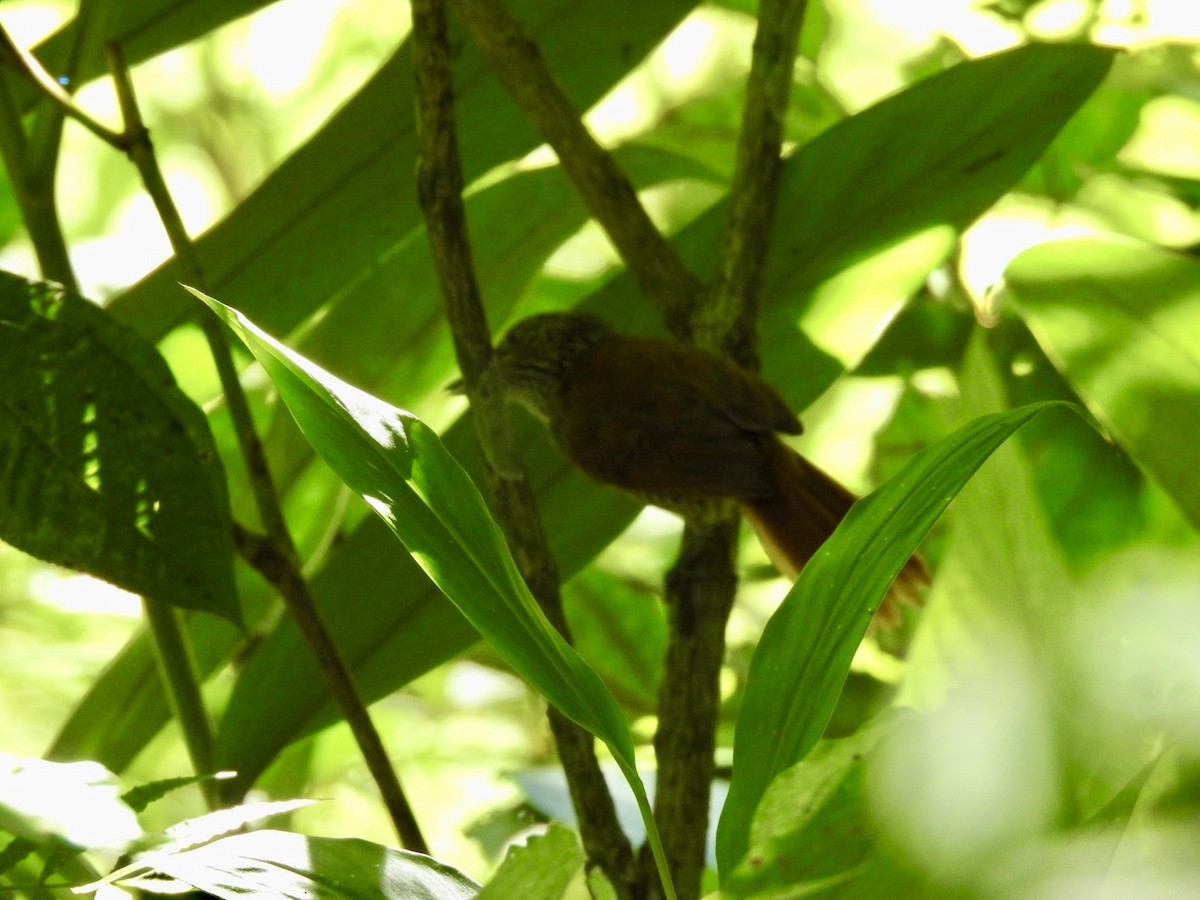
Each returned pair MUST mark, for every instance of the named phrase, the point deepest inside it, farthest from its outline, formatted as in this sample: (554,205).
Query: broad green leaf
(805,651)
(891,181)
(541,868)
(812,825)
(620,628)
(279,865)
(107,467)
(330,218)
(405,474)
(400,467)
(1121,321)
(1069,458)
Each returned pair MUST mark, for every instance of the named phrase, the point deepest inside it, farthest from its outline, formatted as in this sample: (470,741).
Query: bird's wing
(662,418)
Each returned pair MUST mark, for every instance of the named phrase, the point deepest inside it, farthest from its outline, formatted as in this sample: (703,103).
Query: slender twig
(34,191)
(46,136)
(24,61)
(516,61)
(279,558)
(439,187)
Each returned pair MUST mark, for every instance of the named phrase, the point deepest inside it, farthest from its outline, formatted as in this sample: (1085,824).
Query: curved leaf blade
(401,469)
(399,466)
(106,467)
(802,660)
(280,864)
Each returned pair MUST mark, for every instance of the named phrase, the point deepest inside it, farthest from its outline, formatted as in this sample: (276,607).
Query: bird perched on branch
(679,428)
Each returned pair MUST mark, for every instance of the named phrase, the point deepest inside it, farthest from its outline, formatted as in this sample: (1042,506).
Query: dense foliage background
(951,255)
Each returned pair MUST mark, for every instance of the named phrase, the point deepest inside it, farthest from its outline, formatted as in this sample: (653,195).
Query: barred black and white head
(537,353)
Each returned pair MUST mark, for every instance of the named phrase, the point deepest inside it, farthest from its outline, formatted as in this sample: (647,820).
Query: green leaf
(621,630)
(105,465)
(1121,321)
(892,180)
(399,466)
(812,824)
(990,579)
(279,865)
(805,651)
(401,469)
(541,868)
(391,635)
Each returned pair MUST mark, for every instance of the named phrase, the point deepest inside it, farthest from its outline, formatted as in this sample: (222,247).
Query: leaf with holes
(105,465)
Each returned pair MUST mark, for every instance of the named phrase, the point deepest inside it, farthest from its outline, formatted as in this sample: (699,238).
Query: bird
(680,428)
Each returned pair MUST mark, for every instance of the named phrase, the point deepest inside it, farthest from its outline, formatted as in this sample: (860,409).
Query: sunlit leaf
(280,865)
(399,466)
(812,825)
(541,868)
(78,803)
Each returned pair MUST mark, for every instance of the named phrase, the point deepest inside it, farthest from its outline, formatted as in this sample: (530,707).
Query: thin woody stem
(277,557)
(439,188)
(702,585)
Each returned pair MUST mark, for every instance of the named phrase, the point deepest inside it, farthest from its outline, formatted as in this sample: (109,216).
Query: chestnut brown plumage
(678,427)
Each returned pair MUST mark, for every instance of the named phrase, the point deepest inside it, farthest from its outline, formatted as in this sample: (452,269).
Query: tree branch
(702,584)
(439,187)
(278,559)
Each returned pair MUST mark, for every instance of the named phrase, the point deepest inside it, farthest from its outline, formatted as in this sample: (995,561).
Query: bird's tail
(802,512)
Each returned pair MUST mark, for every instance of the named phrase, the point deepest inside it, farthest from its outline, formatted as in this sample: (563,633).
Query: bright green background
(322,247)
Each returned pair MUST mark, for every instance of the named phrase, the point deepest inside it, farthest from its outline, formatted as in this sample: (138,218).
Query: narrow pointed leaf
(804,655)
(401,469)
(399,466)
